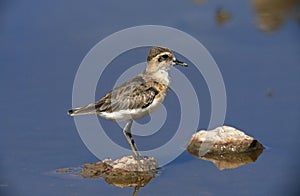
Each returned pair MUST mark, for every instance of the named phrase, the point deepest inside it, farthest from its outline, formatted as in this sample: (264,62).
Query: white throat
(162,75)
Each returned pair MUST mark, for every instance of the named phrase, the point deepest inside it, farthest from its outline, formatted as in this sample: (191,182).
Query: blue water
(43,43)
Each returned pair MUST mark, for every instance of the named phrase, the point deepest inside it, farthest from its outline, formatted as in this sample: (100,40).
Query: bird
(137,97)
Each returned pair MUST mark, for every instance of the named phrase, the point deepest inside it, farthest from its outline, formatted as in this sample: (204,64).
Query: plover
(138,97)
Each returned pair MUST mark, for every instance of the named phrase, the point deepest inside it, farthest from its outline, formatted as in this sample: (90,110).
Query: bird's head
(161,58)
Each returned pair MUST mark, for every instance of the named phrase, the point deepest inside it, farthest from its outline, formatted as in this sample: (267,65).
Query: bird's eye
(165,56)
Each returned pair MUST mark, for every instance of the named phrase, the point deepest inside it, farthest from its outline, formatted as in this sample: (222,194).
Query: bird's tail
(88,109)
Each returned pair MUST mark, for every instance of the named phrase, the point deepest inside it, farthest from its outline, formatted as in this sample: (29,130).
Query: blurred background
(254,42)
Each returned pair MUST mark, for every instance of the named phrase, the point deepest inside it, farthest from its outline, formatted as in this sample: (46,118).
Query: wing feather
(133,94)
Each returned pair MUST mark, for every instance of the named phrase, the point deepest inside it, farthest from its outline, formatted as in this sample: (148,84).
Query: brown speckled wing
(131,96)
(134,94)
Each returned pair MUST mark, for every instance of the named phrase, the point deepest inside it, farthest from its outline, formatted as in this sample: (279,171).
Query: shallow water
(43,43)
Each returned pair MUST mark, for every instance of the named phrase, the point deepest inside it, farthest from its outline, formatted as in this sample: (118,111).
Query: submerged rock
(123,172)
(225,146)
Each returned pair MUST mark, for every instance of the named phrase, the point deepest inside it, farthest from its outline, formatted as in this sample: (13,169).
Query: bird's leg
(127,133)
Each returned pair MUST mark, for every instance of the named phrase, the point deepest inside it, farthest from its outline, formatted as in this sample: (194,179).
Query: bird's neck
(161,76)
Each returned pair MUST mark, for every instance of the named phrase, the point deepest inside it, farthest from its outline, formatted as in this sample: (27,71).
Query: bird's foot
(138,156)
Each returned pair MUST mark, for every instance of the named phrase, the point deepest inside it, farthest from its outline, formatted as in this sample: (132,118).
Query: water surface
(43,43)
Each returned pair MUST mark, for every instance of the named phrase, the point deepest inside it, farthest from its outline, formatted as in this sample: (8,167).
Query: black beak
(176,62)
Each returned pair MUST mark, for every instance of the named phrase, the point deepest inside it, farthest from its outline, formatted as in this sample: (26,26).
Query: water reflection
(118,177)
(123,172)
(271,14)
(199,1)
(222,16)
(229,160)
(269,93)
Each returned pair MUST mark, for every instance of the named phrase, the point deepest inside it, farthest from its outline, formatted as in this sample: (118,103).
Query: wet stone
(123,172)
(125,165)
(223,140)
(129,163)
(225,146)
